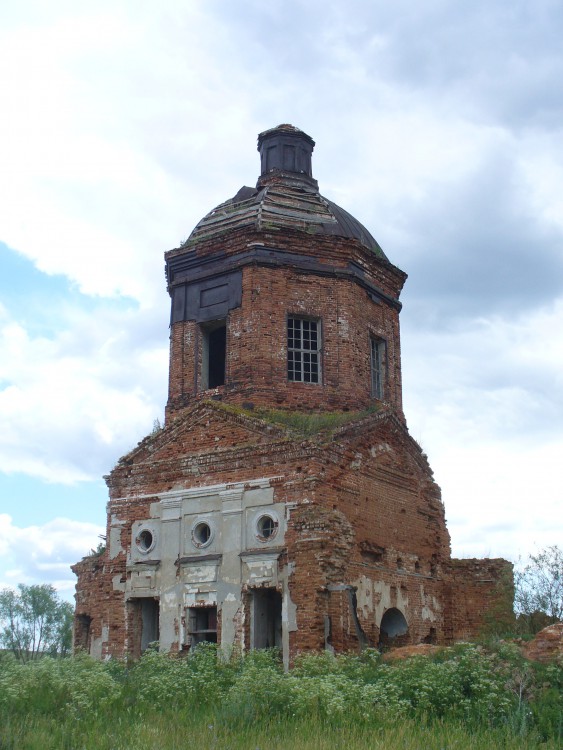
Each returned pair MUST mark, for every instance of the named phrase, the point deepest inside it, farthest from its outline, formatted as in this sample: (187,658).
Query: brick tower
(282,299)
(284,502)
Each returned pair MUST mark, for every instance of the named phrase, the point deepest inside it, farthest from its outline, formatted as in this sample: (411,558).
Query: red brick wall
(97,591)
(256,333)
(366,528)
(479,595)
(366,509)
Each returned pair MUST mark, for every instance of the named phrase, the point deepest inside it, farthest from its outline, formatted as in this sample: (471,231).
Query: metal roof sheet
(284,202)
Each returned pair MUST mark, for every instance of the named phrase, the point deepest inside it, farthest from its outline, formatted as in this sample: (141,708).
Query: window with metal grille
(303,345)
(266,527)
(377,356)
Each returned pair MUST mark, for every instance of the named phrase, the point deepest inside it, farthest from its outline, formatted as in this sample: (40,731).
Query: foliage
(539,588)
(496,696)
(310,423)
(34,621)
(169,680)
(304,423)
(76,686)
(100,548)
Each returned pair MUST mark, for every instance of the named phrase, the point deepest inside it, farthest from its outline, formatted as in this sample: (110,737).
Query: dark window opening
(266,630)
(303,350)
(377,362)
(214,354)
(266,527)
(145,540)
(371,552)
(202,625)
(201,534)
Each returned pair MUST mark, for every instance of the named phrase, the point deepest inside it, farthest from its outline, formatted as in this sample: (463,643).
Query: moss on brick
(314,422)
(304,423)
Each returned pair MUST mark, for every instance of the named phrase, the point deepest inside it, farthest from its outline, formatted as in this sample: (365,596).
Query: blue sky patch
(32,501)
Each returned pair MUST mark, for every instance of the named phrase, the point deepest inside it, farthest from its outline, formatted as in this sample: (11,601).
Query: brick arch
(394,629)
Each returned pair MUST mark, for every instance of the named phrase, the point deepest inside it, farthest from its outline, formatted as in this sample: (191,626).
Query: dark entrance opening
(214,354)
(202,625)
(148,613)
(394,629)
(266,629)
(82,632)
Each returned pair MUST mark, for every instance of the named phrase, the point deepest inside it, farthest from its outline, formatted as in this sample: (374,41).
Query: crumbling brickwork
(479,596)
(284,502)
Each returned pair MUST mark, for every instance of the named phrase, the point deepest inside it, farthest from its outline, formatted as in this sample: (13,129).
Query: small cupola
(285,150)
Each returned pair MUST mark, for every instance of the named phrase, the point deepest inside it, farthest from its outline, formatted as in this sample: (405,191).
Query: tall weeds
(465,697)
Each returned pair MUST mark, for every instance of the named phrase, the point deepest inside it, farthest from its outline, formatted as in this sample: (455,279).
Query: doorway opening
(266,620)
(150,631)
(144,618)
(394,629)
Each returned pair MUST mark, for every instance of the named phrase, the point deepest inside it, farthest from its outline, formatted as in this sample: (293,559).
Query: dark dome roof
(286,197)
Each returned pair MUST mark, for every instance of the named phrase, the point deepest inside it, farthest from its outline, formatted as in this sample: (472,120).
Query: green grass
(173,731)
(463,697)
(304,423)
(312,423)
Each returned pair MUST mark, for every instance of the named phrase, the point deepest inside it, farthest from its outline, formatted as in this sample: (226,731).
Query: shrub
(465,686)
(56,687)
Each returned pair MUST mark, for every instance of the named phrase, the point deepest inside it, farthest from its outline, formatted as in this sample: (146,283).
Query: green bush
(57,687)
(466,686)
(547,708)
(259,688)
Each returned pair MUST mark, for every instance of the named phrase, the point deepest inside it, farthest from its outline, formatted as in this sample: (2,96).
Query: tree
(34,621)
(539,588)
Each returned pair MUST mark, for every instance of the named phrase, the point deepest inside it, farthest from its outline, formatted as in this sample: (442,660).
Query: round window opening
(201,534)
(266,527)
(145,540)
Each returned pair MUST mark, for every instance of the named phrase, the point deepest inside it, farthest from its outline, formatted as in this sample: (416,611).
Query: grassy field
(173,731)
(463,697)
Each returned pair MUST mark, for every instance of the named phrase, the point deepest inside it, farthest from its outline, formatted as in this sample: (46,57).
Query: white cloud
(108,154)
(71,404)
(486,402)
(501,500)
(145,118)
(497,378)
(44,554)
(439,127)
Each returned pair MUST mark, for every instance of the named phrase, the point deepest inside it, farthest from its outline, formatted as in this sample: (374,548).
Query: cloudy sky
(438,124)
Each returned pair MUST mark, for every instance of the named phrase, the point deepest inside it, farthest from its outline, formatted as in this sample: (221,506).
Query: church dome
(286,197)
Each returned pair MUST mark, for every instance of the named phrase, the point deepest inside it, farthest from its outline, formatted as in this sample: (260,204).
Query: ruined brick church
(284,503)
